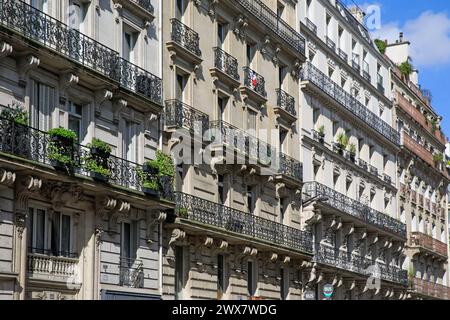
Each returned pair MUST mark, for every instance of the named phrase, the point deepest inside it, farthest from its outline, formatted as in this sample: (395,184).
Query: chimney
(358,14)
(401,37)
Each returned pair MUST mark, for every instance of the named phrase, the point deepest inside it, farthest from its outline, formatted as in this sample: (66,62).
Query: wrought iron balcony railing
(356,263)
(290,167)
(180,115)
(226,63)
(145,4)
(430,289)
(226,134)
(363,164)
(330,43)
(25,20)
(332,89)
(286,102)
(347,15)
(311,26)
(131,273)
(342,54)
(185,37)
(354,208)
(425,241)
(255,82)
(277,25)
(35,145)
(226,218)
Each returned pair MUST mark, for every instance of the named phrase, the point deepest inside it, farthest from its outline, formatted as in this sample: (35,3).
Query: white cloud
(429,35)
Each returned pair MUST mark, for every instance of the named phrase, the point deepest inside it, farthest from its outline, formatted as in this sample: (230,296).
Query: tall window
(284,284)
(251,281)
(181,82)
(222,104)
(40,5)
(43,104)
(50,234)
(221,34)
(281,76)
(130,145)
(250,54)
(251,122)
(250,200)
(221,189)
(283,135)
(130,37)
(77,15)
(180,9)
(220,276)
(129,241)
(75,119)
(179,272)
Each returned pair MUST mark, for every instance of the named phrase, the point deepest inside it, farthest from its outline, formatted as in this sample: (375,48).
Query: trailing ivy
(381,45)
(15,113)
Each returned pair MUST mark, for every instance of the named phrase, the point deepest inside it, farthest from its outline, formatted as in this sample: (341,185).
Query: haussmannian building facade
(284,125)
(423,181)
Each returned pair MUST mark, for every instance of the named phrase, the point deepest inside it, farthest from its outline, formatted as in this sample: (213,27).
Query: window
(129,242)
(42,106)
(283,208)
(221,189)
(77,15)
(250,200)
(281,76)
(250,54)
(75,120)
(283,135)
(222,104)
(341,42)
(220,276)
(251,122)
(251,281)
(328,25)
(181,82)
(284,284)
(316,114)
(40,5)
(180,9)
(50,234)
(130,37)
(179,272)
(130,145)
(221,34)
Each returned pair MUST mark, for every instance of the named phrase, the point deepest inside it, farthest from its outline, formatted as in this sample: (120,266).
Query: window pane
(40,231)
(56,234)
(65,236)
(126,242)
(178,271)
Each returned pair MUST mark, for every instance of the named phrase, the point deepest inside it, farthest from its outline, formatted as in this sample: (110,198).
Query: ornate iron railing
(224,133)
(145,4)
(226,63)
(290,167)
(430,289)
(342,8)
(356,263)
(342,54)
(35,145)
(363,164)
(330,43)
(311,26)
(354,208)
(180,115)
(226,218)
(332,89)
(21,18)
(272,21)
(131,273)
(425,241)
(286,102)
(254,81)
(185,37)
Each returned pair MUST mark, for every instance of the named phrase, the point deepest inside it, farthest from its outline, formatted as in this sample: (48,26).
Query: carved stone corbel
(154,218)
(66,81)
(25,187)
(240,26)
(7,178)
(118,106)
(25,65)
(5,49)
(177,236)
(118,214)
(212,8)
(100,97)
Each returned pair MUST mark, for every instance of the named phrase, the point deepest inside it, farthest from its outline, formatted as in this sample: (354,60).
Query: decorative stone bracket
(25,187)
(5,49)
(25,65)
(154,218)
(178,236)
(7,178)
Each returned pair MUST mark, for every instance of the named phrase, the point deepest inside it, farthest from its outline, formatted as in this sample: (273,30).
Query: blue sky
(427,25)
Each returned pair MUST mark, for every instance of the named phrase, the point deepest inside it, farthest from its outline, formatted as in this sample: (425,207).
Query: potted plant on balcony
(157,175)
(438,159)
(149,175)
(61,148)
(97,161)
(342,143)
(183,213)
(321,133)
(14,121)
(352,151)
(406,69)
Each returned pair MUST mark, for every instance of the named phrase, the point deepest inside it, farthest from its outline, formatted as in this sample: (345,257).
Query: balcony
(313,75)
(226,135)
(35,146)
(430,289)
(51,268)
(429,244)
(330,43)
(373,170)
(363,164)
(143,8)
(242,224)
(34,25)
(351,262)
(281,29)
(418,149)
(291,168)
(420,118)
(342,55)
(185,42)
(225,68)
(254,86)
(311,26)
(354,209)
(180,115)
(285,106)
(127,273)
(387,179)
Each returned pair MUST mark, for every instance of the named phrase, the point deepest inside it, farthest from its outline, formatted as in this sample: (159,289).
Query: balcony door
(77,16)
(41,5)
(42,106)
(130,141)
(129,44)
(180,9)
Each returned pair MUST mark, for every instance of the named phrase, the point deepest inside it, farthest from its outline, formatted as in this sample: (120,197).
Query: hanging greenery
(381,45)
(406,68)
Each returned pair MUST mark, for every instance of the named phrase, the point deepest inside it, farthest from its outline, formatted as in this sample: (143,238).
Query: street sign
(309,295)
(328,290)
